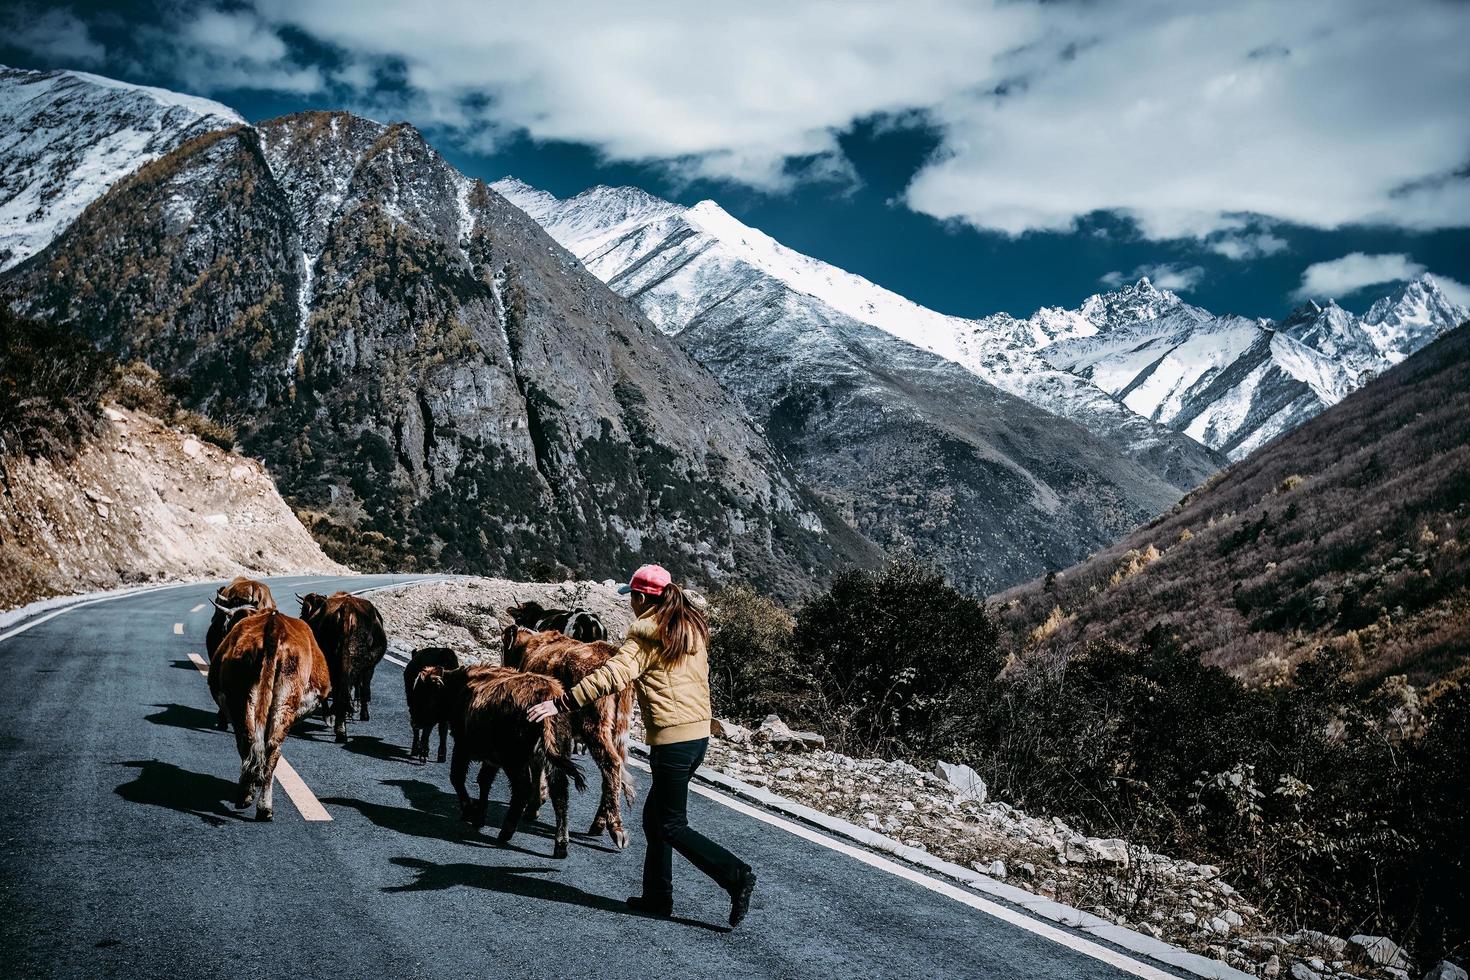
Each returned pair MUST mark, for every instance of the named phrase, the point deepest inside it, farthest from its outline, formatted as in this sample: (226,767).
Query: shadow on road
(183,664)
(374,747)
(418,823)
(512,881)
(184,716)
(165,784)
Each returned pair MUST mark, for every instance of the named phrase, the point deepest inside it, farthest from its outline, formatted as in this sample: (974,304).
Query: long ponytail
(683,628)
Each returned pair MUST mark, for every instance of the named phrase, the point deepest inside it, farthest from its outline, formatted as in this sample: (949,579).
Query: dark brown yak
(601,726)
(487,715)
(267,673)
(350,632)
(425,708)
(237,597)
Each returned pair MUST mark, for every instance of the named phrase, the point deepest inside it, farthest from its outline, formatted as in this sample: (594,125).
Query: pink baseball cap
(650,580)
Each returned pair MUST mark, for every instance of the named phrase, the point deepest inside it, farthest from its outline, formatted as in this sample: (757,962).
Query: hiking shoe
(647,906)
(740,897)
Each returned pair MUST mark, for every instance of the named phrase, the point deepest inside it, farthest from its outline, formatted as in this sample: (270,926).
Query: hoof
(619,838)
(264,816)
(363,716)
(440,758)
(560,851)
(341,736)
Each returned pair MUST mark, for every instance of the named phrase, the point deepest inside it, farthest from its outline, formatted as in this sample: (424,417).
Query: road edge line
(1032,906)
(300,795)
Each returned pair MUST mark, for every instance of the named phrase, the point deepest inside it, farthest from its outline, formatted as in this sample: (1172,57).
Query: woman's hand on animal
(542,711)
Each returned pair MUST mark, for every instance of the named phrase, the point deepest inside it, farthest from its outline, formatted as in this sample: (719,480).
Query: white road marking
(178,629)
(301,795)
(197,608)
(1060,936)
(394,660)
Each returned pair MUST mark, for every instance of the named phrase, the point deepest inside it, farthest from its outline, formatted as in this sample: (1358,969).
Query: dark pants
(666,824)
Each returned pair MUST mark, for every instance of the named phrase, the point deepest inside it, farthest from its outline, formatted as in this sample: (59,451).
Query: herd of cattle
(268,670)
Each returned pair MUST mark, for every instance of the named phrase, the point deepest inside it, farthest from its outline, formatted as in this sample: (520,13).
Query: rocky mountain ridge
(428,373)
(67,136)
(1133,365)
(915,451)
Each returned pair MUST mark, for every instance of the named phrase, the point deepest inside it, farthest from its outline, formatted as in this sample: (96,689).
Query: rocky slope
(143,502)
(916,451)
(1136,366)
(67,136)
(700,267)
(430,375)
(1347,534)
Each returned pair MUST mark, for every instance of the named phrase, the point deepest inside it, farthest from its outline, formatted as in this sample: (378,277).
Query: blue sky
(976,156)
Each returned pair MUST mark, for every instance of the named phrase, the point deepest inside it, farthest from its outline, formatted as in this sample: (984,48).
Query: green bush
(753,667)
(902,659)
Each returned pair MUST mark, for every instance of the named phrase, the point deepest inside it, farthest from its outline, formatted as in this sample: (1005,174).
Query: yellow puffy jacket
(674,698)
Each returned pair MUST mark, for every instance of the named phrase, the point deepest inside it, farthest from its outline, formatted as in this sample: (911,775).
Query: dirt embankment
(143,503)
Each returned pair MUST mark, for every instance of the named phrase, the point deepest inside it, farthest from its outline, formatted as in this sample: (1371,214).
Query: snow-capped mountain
(67,136)
(1235,384)
(686,265)
(1410,317)
(1136,366)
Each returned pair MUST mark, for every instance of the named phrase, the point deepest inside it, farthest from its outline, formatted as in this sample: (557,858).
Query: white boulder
(965,781)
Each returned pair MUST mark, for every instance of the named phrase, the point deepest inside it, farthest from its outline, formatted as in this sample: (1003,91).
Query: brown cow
(267,673)
(239,595)
(488,718)
(601,726)
(350,632)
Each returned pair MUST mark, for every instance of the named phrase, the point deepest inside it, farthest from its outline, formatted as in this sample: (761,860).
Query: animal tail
(553,744)
(271,689)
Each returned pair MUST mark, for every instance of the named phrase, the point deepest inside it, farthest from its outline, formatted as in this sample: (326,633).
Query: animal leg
(443,737)
(265,809)
(487,776)
(558,780)
(365,693)
(245,795)
(609,816)
(521,788)
(459,767)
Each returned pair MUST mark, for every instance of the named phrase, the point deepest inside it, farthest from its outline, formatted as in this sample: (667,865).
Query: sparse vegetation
(1338,805)
(52,382)
(1353,525)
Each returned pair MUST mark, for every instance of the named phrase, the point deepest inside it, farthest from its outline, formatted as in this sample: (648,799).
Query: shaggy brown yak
(601,726)
(487,715)
(350,631)
(234,599)
(267,673)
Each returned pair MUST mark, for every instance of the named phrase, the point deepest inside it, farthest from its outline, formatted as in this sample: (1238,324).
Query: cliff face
(142,502)
(431,375)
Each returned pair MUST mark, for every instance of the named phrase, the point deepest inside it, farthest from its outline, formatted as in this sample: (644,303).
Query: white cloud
(732,91)
(1166,275)
(1195,120)
(213,50)
(1240,246)
(1357,270)
(1189,118)
(55,34)
(1457,292)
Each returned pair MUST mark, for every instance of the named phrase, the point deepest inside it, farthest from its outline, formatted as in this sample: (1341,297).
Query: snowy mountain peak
(67,136)
(1412,316)
(1134,303)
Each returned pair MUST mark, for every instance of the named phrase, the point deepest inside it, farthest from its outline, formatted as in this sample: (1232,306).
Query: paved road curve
(121,856)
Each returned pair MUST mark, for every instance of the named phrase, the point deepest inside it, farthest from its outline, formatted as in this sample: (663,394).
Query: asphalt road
(121,856)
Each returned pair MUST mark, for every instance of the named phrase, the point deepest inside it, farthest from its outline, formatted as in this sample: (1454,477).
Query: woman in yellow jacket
(666,658)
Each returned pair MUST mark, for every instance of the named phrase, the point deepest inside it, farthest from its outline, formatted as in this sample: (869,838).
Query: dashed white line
(1060,936)
(178,629)
(301,796)
(197,608)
